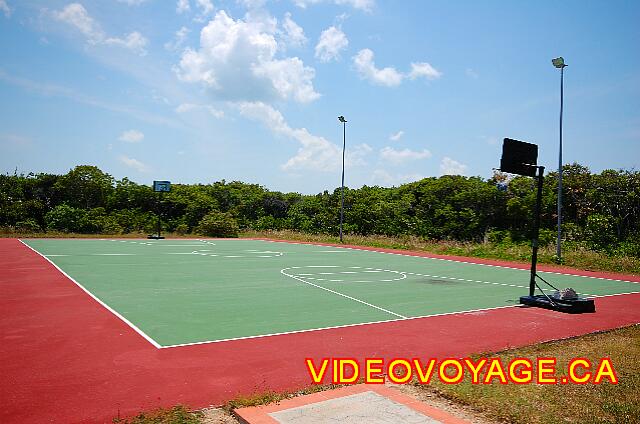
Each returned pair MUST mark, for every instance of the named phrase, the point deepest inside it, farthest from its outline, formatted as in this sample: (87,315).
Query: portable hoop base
(570,306)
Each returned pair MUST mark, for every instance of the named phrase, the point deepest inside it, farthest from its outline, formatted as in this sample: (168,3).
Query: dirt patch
(218,416)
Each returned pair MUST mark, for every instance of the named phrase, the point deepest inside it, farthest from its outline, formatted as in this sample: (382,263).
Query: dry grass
(545,404)
(578,258)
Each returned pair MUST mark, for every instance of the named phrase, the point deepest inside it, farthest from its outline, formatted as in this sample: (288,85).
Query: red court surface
(66,359)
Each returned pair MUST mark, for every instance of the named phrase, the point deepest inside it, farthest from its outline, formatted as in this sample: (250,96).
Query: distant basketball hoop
(159,187)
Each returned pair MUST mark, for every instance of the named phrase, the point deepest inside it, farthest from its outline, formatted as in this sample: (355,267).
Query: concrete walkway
(371,404)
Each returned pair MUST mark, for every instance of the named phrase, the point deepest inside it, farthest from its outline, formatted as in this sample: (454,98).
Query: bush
(64,218)
(110,226)
(27,226)
(218,224)
(599,232)
(182,229)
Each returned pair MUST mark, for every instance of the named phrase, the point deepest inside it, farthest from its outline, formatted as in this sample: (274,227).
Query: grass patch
(573,256)
(265,398)
(177,415)
(545,404)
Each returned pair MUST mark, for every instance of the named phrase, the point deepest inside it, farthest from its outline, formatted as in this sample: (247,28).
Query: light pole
(559,63)
(344,145)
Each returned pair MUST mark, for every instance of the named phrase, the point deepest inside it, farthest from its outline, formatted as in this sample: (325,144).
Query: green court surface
(179,292)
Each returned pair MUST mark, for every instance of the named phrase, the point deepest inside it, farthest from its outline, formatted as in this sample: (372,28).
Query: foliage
(549,403)
(218,224)
(601,211)
(176,415)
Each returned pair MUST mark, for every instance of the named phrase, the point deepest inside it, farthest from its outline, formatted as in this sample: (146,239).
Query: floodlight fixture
(341,119)
(558,62)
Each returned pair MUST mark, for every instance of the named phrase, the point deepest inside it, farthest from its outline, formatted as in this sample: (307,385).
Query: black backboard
(519,157)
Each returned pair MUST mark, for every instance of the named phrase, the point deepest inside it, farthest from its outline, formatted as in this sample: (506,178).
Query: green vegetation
(601,211)
(176,415)
(575,255)
(265,398)
(217,224)
(590,403)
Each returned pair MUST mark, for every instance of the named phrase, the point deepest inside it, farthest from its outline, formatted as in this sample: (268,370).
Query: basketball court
(177,293)
(95,329)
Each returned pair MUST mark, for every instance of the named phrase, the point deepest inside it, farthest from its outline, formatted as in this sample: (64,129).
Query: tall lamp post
(344,145)
(559,63)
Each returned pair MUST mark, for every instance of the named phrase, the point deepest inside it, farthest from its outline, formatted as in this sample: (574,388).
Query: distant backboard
(161,186)
(519,157)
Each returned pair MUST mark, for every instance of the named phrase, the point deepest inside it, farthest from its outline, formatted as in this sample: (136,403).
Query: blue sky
(195,91)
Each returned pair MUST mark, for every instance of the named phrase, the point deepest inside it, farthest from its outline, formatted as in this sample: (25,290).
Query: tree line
(601,211)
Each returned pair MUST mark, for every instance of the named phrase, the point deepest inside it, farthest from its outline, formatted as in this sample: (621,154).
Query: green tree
(218,224)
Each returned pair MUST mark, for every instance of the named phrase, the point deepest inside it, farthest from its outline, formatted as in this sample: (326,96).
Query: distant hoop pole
(344,145)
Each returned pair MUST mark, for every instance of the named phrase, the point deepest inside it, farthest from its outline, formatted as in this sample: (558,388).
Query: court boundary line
(374,249)
(107,307)
(295,277)
(284,333)
(159,346)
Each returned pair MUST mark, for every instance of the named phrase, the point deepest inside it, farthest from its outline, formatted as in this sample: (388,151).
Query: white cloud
(365,5)
(252,4)
(236,61)
(449,166)
(5,8)
(293,33)
(399,156)
(76,15)
(183,6)
(384,178)
(134,164)
(365,66)
(134,41)
(389,76)
(178,40)
(331,42)
(49,90)
(188,107)
(424,70)
(396,136)
(133,2)
(131,136)
(206,8)
(216,113)
(315,153)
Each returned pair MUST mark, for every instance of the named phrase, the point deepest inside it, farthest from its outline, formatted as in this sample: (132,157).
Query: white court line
(51,256)
(109,308)
(113,254)
(449,260)
(282,271)
(359,324)
(484,282)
